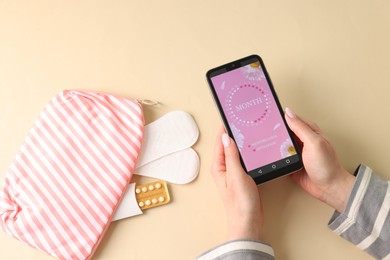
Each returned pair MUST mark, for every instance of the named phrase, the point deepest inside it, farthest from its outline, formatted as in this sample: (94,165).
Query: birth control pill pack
(152,194)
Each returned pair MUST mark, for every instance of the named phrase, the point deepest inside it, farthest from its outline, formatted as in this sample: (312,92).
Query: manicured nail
(225,140)
(290,113)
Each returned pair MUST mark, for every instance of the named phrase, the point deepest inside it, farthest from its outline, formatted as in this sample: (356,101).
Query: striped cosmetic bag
(71,172)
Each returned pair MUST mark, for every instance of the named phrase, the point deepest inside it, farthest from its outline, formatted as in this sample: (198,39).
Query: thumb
(305,131)
(232,156)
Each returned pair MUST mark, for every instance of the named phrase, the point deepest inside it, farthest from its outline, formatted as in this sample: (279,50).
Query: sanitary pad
(166,153)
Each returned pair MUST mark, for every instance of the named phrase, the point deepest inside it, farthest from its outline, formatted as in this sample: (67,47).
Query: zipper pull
(148,102)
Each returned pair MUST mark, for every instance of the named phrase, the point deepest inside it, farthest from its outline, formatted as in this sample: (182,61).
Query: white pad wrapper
(128,206)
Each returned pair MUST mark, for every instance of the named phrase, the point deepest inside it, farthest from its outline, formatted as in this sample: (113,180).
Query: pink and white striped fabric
(63,188)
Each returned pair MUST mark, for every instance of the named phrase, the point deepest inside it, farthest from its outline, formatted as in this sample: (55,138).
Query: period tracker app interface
(254,118)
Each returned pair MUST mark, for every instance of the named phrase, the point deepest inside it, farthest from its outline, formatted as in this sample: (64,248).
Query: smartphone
(254,118)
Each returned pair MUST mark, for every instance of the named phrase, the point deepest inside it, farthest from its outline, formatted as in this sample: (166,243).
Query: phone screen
(254,117)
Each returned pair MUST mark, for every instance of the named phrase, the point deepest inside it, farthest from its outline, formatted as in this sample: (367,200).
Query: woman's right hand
(322,177)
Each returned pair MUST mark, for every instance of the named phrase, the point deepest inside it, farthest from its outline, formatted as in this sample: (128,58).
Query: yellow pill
(144,189)
(141,204)
(158,185)
(137,191)
(154,201)
(147,202)
(151,187)
(161,199)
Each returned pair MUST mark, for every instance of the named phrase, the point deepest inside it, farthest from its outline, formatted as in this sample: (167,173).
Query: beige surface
(329,60)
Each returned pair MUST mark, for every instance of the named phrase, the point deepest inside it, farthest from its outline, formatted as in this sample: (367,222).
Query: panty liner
(179,167)
(172,132)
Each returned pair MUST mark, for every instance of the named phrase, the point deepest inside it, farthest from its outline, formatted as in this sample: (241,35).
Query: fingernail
(225,140)
(290,113)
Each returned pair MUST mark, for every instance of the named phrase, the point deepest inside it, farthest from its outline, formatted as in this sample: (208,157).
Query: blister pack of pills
(152,194)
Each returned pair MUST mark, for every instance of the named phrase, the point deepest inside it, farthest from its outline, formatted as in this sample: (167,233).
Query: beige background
(329,61)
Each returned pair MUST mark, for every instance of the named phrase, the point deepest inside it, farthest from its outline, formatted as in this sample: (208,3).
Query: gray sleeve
(240,250)
(366,219)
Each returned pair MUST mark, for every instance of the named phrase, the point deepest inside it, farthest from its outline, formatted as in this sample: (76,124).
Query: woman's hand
(238,191)
(322,177)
